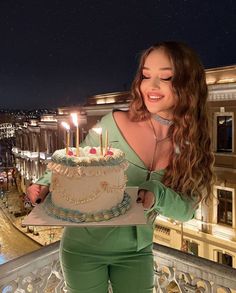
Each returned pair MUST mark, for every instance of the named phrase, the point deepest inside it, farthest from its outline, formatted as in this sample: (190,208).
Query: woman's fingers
(147,198)
(141,195)
(33,192)
(36,193)
(42,194)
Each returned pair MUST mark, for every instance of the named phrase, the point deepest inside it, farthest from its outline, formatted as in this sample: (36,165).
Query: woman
(166,140)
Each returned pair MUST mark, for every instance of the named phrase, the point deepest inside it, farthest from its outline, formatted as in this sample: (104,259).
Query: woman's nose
(155,82)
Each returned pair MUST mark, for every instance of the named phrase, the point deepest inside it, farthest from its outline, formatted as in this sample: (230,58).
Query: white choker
(161,120)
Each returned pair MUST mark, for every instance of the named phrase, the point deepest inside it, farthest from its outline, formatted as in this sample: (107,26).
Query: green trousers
(89,265)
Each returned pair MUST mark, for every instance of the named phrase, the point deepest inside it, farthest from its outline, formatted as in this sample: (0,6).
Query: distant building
(7,140)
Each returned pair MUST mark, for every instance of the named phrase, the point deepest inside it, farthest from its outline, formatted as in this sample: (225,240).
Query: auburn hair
(190,169)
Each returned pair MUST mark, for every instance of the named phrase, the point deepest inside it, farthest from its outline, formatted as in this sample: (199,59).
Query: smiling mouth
(154,97)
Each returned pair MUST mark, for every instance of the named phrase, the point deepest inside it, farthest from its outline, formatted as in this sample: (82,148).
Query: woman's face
(156,85)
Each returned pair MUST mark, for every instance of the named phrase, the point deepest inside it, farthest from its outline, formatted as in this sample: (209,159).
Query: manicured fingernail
(139,199)
(38,200)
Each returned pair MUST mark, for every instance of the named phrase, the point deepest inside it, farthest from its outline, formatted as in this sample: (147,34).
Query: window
(50,138)
(162,229)
(224,210)
(224,259)
(191,247)
(224,133)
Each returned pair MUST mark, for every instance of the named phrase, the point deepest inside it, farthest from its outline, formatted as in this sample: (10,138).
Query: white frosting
(86,157)
(88,189)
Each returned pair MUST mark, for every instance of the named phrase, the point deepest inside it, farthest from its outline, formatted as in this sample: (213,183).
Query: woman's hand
(147,198)
(37,193)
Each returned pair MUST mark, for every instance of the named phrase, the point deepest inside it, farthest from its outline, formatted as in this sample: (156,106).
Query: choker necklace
(161,120)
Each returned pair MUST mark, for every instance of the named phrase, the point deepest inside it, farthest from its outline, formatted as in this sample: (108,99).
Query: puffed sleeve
(45,179)
(169,203)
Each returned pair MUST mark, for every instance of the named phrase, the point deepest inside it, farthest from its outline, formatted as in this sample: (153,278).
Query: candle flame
(98,130)
(75,119)
(65,125)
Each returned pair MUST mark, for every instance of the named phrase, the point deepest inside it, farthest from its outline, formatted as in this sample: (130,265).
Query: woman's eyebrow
(162,68)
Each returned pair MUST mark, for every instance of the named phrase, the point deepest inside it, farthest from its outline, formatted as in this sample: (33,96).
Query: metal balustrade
(175,271)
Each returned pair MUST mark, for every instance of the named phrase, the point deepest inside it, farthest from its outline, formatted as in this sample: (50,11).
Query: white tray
(134,216)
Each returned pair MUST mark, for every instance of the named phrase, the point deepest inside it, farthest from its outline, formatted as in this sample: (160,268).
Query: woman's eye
(145,76)
(167,78)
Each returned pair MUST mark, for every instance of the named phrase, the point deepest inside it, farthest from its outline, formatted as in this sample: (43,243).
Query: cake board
(134,216)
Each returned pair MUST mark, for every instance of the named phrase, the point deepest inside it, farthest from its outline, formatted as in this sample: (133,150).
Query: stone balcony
(175,271)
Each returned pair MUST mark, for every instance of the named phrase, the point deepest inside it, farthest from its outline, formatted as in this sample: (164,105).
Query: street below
(13,243)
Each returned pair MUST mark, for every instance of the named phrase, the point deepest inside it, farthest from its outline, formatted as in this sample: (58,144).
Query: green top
(168,202)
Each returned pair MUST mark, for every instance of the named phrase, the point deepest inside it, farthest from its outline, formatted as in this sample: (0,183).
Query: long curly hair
(190,169)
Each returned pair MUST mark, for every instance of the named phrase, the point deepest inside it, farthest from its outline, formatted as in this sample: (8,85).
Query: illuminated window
(224,258)
(224,133)
(224,215)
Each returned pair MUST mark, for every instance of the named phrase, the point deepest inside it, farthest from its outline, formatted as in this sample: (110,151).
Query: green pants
(88,266)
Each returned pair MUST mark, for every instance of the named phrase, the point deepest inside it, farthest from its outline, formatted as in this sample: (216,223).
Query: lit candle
(67,127)
(106,141)
(75,121)
(99,132)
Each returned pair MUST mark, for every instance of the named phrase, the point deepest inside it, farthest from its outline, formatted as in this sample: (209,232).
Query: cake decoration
(92,151)
(78,217)
(88,187)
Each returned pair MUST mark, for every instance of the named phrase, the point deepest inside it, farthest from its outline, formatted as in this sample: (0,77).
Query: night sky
(56,53)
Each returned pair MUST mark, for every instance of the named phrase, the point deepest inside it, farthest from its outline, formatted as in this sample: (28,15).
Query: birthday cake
(89,187)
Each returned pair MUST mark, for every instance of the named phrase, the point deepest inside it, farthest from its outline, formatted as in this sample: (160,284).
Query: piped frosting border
(85,171)
(77,217)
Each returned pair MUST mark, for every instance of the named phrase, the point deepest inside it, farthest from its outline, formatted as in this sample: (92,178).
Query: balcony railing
(175,271)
